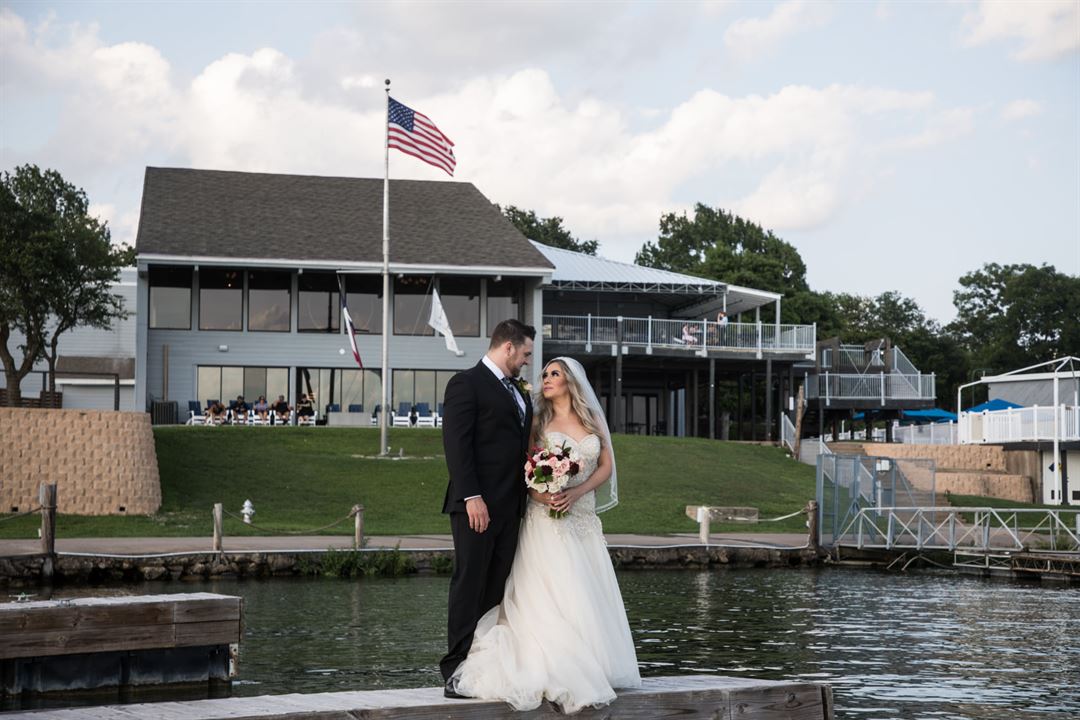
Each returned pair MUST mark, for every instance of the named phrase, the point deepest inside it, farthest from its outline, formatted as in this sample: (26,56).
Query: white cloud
(753,37)
(1020,109)
(797,154)
(1046,29)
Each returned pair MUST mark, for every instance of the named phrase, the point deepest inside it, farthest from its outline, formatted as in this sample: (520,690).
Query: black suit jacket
(484,442)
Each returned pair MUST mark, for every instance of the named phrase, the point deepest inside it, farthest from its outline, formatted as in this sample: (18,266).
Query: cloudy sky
(897,145)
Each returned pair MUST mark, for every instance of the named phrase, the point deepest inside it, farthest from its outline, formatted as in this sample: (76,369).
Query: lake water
(892,646)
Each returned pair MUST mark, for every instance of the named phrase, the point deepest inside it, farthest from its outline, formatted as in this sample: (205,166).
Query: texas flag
(350,329)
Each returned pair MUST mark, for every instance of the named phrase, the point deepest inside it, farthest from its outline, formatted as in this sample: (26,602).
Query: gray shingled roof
(213,213)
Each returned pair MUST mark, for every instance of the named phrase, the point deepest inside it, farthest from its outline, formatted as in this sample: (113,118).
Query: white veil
(607,495)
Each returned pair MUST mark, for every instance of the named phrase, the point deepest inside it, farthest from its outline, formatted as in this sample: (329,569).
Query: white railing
(956,528)
(902,364)
(881,386)
(695,335)
(1020,425)
(931,434)
(787,432)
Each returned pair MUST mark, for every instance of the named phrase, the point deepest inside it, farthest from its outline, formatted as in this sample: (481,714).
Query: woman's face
(554,383)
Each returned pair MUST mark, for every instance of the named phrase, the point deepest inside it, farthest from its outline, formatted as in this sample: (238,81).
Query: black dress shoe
(451,692)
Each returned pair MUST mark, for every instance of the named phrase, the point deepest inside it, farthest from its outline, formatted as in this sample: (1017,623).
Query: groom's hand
(478,514)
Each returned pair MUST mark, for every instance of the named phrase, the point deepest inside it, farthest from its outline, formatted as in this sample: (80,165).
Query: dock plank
(687,698)
(90,625)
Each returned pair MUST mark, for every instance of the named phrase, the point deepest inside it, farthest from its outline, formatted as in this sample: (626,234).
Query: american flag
(414,134)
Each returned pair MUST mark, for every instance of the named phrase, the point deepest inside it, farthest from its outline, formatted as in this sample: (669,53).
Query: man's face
(519,357)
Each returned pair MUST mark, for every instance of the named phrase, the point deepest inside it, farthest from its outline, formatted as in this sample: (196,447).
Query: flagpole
(384,448)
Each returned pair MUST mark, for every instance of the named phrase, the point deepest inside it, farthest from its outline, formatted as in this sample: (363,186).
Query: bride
(561,632)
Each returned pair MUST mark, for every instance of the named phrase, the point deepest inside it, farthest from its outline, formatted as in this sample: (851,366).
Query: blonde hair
(545,410)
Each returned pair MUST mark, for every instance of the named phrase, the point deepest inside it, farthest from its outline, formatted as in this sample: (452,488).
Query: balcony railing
(881,386)
(1020,425)
(692,335)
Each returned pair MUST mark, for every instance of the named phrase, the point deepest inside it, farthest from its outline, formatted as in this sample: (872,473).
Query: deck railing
(1020,425)
(690,335)
(880,386)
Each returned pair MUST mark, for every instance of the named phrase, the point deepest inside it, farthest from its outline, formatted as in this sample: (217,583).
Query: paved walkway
(163,545)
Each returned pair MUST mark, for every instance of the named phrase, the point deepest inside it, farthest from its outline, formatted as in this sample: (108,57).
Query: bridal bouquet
(549,469)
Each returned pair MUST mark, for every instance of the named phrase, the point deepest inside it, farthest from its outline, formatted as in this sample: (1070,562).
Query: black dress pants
(481,566)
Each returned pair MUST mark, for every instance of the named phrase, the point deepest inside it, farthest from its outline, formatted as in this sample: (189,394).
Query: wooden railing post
(217,527)
(47,500)
(358,526)
(813,528)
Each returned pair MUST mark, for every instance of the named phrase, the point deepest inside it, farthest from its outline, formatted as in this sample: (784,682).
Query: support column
(613,403)
(694,406)
(712,398)
(768,401)
(753,405)
(669,405)
(620,420)
(739,409)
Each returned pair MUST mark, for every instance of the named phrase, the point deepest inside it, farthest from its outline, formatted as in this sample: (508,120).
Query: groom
(486,421)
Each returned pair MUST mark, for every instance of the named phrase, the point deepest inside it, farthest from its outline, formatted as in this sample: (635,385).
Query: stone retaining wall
(103,462)
(25,570)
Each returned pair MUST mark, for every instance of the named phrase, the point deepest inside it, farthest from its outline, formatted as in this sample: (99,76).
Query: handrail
(1020,425)
(871,386)
(694,335)
(991,529)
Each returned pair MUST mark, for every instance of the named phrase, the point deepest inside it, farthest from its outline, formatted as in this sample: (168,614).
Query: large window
(503,301)
(461,300)
(216,382)
(413,387)
(358,387)
(364,297)
(170,298)
(221,299)
(412,305)
(319,303)
(268,300)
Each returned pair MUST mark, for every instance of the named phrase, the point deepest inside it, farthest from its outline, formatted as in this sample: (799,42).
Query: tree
(1012,316)
(547,231)
(57,266)
(722,246)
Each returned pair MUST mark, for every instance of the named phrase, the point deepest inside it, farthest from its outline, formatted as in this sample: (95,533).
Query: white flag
(440,324)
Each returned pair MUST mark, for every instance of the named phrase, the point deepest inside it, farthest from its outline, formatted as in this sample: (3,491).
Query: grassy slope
(303,478)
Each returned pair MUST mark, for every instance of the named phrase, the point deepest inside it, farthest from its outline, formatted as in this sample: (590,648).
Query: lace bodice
(582,516)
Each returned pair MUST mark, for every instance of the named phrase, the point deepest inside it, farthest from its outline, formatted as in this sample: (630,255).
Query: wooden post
(47,500)
(800,408)
(217,527)
(703,525)
(358,528)
(814,539)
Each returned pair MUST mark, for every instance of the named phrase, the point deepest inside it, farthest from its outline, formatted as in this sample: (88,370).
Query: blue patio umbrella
(991,405)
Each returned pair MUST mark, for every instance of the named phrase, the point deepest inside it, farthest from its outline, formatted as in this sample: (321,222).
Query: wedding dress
(560,632)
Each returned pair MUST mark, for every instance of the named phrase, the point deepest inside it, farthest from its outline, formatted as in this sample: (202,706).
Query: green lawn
(303,478)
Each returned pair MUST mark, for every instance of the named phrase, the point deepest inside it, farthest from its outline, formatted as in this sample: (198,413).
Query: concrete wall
(982,470)
(103,462)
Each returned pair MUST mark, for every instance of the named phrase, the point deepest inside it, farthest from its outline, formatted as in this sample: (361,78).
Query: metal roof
(578,271)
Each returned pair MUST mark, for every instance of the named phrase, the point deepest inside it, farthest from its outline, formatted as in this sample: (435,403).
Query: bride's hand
(563,501)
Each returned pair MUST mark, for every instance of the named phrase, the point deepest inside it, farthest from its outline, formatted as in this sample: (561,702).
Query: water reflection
(893,646)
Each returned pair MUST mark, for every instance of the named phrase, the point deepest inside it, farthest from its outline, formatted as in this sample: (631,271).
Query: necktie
(514,396)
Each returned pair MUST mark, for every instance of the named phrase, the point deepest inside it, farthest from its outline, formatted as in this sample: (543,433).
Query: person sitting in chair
(215,413)
(690,334)
(262,409)
(240,411)
(305,410)
(281,410)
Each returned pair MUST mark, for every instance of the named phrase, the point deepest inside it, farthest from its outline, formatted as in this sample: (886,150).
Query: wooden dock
(89,643)
(704,697)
